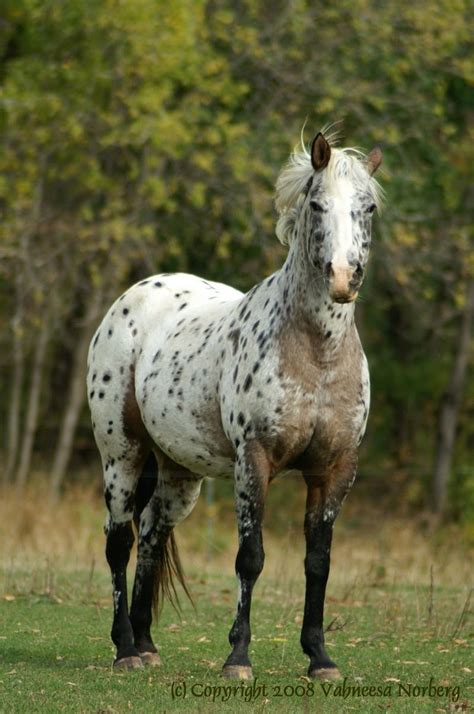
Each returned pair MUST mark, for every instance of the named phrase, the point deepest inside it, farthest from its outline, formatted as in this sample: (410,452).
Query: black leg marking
(318,548)
(252,475)
(248,566)
(324,499)
(150,560)
(119,543)
(143,586)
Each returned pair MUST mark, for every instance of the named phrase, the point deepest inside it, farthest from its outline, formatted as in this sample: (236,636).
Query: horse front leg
(251,480)
(324,499)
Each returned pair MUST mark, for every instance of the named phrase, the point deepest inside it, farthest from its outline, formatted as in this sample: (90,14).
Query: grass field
(398,605)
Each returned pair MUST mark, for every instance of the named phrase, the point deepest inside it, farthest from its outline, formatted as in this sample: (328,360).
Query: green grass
(56,655)
(398,598)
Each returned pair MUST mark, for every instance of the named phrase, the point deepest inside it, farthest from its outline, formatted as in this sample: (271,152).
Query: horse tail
(169,570)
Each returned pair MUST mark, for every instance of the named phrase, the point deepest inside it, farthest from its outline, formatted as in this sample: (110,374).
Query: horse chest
(341,410)
(327,415)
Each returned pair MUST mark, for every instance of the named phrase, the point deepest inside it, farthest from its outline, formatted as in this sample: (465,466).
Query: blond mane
(348,163)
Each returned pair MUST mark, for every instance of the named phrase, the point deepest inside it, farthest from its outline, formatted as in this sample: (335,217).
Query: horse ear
(320,152)
(374,159)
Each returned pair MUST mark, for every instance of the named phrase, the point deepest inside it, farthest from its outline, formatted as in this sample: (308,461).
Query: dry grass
(39,535)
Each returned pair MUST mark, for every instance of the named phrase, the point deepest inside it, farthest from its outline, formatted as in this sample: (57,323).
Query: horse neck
(309,305)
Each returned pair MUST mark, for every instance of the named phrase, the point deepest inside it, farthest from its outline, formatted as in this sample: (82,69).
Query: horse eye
(371,208)
(316,206)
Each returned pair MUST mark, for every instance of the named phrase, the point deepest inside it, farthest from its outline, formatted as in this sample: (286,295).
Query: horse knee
(250,558)
(316,566)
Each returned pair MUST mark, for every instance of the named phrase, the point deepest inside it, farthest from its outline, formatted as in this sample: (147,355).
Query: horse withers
(189,378)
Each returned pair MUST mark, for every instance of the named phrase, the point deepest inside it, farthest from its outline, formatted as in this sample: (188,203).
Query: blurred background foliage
(146,136)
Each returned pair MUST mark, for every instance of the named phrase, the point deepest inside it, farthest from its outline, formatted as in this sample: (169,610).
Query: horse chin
(344,299)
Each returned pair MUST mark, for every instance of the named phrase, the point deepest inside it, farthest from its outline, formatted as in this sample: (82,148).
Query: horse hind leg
(123,444)
(145,487)
(120,479)
(158,561)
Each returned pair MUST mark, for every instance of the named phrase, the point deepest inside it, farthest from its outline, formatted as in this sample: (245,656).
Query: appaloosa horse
(189,378)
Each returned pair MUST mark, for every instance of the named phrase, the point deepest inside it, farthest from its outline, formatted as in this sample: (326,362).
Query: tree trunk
(13,429)
(75,398)
(449,408)
(27,225)
(31,421)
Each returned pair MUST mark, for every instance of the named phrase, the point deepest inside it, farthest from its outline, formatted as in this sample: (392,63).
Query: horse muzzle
(344,282)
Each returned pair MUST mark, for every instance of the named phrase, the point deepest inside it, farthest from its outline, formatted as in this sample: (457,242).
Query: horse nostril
(329,270)
(359,270)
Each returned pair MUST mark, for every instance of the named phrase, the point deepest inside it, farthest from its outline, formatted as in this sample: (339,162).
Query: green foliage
(146,136)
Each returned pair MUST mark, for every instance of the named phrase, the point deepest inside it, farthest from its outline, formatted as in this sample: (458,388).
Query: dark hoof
(150,659)
(237,671)
(325,673)
(126,663)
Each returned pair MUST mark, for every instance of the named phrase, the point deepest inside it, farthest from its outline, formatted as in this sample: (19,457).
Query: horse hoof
(325,673)
(126,663)
(150,659)
(237,671)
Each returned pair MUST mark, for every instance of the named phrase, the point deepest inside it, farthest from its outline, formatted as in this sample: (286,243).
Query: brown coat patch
(316,432)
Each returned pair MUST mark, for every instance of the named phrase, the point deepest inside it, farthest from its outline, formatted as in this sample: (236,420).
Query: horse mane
(294,177)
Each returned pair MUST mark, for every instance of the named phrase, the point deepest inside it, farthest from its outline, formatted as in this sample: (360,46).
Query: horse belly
(199,450)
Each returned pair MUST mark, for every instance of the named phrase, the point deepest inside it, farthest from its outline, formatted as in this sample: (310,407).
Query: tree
(146,136)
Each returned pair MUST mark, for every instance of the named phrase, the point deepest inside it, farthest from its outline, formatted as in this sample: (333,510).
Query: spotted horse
(190,379)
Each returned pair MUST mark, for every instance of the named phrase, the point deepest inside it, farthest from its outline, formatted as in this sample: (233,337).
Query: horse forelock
(298,175)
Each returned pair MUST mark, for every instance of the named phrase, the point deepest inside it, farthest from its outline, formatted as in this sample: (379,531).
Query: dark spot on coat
(234,336)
